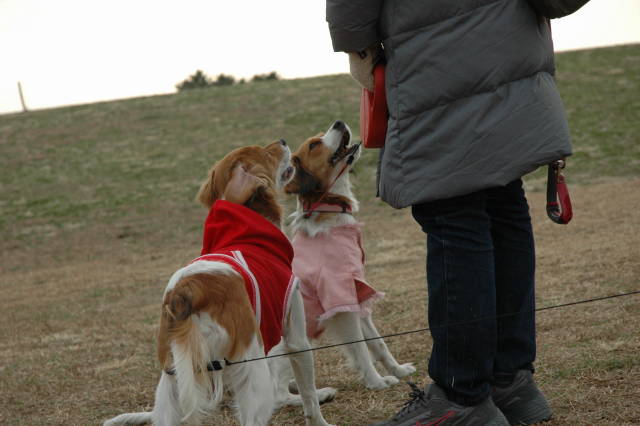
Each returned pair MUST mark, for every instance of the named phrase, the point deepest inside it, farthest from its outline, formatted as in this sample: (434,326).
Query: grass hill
(97,210)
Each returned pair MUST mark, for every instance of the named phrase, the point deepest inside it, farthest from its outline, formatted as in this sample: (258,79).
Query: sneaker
(521,402)
(432,408)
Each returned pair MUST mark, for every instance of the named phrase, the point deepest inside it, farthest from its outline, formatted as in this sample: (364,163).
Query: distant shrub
(196,80)
(224,80)
(266,77)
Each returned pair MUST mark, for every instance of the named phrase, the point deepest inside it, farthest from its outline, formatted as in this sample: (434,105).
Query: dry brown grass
(77,341)
(96,212)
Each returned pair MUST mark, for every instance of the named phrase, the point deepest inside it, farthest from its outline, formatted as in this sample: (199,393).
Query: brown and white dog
(329,259)
(214,316)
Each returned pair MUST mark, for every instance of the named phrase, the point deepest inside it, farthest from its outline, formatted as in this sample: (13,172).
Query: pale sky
(80,51)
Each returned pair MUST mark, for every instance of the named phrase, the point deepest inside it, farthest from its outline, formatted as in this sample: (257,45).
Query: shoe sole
(536,411)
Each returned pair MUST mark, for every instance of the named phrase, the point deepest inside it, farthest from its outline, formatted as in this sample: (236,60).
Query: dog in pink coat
(328,255)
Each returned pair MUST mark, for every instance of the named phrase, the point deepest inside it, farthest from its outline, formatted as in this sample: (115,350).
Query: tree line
(200,80)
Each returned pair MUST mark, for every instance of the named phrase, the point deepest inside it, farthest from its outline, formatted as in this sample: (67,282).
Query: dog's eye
(314,144)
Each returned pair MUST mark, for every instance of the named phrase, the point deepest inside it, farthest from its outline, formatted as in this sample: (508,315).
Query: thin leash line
(403,333)
(314,206)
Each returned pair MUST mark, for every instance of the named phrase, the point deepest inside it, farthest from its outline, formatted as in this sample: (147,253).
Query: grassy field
(97,210)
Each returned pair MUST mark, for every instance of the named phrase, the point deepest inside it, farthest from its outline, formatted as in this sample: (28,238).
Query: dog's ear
(302,182)
(207,194)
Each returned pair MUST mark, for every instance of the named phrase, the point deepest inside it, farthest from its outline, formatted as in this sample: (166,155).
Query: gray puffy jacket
(470,89)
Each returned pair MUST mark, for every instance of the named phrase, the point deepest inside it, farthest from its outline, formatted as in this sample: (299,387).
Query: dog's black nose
(283,142)
(339,125)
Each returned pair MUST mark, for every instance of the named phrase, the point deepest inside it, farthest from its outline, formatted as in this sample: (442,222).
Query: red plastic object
(559,207)
(373,112)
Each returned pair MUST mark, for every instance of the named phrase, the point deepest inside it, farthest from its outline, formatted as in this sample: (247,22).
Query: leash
(314,206)
(217,365)
(558,201)
(559,211)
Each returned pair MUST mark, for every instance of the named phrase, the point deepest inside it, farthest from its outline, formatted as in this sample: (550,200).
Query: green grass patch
(70,166)
(600,90)
(611,363)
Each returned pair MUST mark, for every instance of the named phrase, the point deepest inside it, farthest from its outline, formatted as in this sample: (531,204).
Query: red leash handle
(559,207)
(373,111)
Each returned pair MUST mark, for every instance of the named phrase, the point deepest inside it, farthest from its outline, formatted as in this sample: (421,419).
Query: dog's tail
(130,419)
(196,336)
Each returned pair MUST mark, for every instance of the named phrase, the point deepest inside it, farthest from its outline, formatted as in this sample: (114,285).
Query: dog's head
(271,164)
(320,159)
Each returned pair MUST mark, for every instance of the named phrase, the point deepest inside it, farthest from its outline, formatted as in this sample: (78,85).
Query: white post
(24,106)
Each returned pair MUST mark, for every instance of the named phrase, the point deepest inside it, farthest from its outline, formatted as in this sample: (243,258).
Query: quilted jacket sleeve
(353,24)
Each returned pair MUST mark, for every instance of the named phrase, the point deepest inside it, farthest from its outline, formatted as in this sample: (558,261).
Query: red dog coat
(260,253)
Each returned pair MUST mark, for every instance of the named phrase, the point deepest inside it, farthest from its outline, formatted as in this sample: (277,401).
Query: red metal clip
(558,201)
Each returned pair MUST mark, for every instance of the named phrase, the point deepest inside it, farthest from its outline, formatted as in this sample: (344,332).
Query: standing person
(473,107)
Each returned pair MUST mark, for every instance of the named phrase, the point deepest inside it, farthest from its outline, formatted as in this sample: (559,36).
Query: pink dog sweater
(331,270)
(260,253)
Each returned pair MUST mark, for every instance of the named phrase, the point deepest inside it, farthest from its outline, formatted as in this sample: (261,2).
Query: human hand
(242,185)
(361,65)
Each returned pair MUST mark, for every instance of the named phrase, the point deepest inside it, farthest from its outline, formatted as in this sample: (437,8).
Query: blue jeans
(480,265)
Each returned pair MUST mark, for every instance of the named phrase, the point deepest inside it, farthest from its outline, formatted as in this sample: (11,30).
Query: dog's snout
(283,142)
(339,125)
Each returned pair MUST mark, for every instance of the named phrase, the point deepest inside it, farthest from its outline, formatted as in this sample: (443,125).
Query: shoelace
(415,396)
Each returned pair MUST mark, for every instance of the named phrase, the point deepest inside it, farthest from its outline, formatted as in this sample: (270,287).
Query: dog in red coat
(238,301)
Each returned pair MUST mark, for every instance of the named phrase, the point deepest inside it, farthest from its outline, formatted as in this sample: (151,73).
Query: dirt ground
(80,309)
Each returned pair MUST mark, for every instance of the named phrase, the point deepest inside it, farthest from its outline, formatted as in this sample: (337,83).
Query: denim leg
(514,253)
(461,288)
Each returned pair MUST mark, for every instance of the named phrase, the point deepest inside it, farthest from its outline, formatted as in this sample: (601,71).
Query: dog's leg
(129,419)
(345,327)
(380,352)
(281,372)
(252,387)
(166,410)
(295,340)
(287,392)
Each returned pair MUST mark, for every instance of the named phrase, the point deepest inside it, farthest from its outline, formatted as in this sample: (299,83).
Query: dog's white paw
(290,399)
(326,394)
(403,370)
(391,380)
(383,383)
